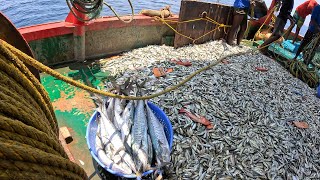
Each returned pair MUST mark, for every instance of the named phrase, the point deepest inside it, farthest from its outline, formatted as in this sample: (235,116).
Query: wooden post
(190,10)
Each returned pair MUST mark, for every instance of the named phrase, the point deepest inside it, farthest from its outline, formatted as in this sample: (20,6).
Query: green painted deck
(74,107)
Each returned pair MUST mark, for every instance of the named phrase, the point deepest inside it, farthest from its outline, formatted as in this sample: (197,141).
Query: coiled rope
(15,54)
(309,50)
(299,70)
(29,144)
(91,9)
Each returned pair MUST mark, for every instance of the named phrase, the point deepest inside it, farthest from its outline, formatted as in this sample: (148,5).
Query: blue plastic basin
(92,129)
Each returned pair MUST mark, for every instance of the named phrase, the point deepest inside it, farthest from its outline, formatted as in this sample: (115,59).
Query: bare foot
(231,43)
(263,50)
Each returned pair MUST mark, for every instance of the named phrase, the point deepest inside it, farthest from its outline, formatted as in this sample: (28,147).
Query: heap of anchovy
(252,111)
(130,138)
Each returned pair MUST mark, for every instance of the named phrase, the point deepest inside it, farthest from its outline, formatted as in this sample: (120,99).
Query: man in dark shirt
(284,15)
(313,31)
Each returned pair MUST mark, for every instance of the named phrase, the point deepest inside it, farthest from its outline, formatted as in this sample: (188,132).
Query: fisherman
(240,18)
(281,20)
(314,29)
(302,11)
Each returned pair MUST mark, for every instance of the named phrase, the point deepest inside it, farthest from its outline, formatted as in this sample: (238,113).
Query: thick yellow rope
(16,70)
(30,61)
(299,70)
(29,144)
(27,155)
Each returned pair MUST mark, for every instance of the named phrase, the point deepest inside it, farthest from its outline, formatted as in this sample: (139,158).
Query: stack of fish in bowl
(130,139)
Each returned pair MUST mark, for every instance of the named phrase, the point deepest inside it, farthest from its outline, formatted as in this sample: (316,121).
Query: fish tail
(139,176)
(158,175)
(161,163)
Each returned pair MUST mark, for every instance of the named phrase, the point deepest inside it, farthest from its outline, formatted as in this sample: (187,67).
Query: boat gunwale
(47,30)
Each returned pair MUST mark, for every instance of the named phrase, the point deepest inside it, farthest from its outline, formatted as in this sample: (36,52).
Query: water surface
(30,12)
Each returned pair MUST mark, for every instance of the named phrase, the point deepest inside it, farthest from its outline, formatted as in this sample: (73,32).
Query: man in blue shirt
(240,18)
(281,20)
(314,29)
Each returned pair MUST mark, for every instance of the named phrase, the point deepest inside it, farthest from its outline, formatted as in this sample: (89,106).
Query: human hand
(278,5)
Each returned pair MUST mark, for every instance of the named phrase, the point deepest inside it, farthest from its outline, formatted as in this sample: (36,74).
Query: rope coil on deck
(29,144)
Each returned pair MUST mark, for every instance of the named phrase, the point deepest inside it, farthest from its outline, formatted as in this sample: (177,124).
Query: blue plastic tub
(318,91)
(92,129)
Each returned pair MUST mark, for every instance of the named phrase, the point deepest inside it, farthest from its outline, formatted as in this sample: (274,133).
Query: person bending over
(302,11)
(240,18)
(314,29)
(281,21)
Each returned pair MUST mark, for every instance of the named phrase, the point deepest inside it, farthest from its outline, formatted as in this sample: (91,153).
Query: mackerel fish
(127,116)
(109,134)
(139,138)
(120,123)
(106,158)
(158,138)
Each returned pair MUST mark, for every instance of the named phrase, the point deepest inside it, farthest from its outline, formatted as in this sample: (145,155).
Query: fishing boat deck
(73,107)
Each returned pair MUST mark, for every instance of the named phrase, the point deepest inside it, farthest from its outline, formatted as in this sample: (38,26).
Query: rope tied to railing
(206,18)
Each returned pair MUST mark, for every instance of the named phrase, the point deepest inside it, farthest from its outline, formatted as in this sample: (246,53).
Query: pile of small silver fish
(129,136)
(252,112)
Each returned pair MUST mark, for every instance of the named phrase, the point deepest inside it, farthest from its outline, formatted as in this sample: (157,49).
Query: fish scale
(138,135)
(158,138)
(127,116)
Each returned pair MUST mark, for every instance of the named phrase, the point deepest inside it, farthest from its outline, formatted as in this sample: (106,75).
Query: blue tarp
(288,45)
(288,50)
